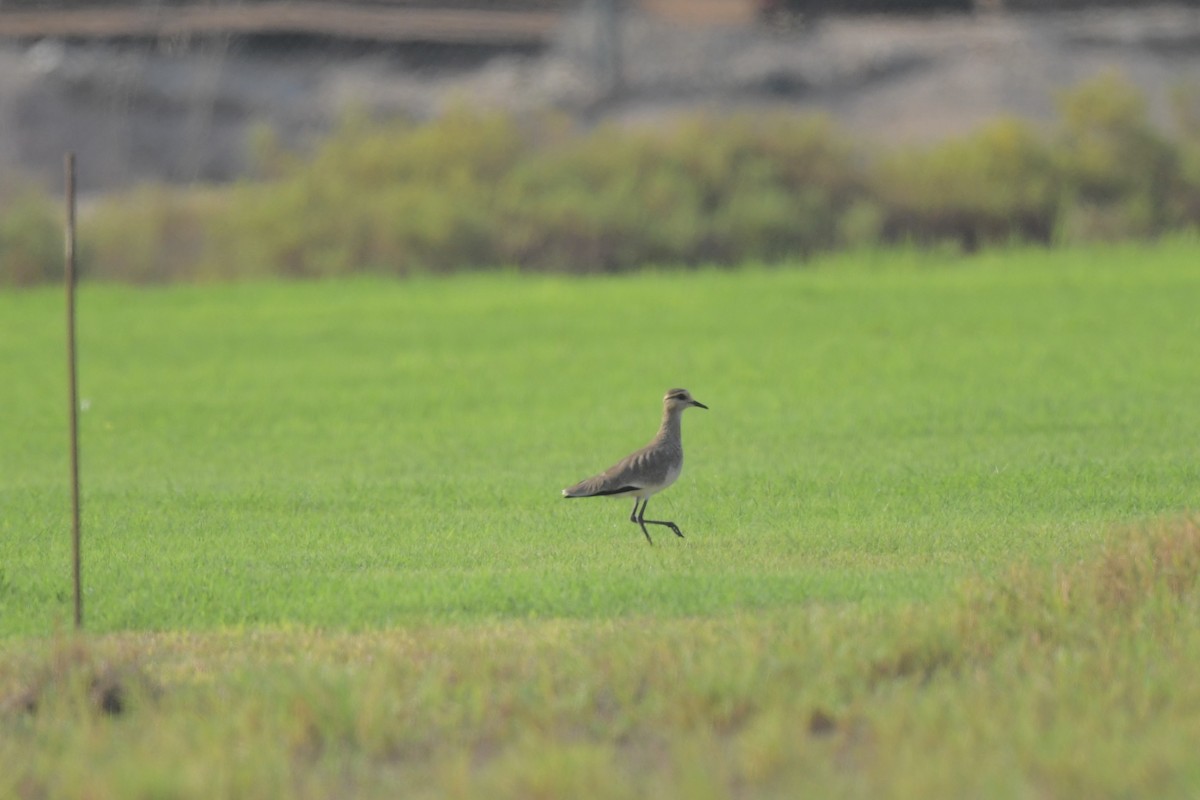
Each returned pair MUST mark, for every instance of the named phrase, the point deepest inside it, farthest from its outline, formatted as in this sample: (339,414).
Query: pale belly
(671,477)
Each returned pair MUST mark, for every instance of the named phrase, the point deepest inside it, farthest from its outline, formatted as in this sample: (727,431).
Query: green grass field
(325,551)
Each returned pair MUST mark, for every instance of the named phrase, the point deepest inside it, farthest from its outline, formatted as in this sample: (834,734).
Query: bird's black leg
(643,522)
(636,517)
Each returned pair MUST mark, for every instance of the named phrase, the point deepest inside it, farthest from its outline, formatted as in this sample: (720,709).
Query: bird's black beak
(698,404)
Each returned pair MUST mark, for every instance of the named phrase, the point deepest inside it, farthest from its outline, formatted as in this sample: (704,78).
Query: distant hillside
(178,107)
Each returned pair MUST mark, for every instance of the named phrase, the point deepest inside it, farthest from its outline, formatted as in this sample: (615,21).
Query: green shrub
(862,224)
(395,197)
(1186,107)
(475,189)
(702,190)
(31,240)
(996,185)
(1119,174)
(573,208)
(152,234)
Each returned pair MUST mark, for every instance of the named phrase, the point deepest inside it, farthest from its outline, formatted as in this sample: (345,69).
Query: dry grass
(1055,681)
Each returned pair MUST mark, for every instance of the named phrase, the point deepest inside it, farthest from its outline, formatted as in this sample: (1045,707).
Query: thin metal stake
(71,390)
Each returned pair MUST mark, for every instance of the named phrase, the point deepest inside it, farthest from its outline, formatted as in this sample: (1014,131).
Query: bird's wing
(630,474)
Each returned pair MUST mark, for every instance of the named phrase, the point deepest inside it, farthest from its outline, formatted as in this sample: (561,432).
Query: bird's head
(679,399)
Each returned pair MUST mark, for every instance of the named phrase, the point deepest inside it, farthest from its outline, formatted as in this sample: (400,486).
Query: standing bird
(648,471)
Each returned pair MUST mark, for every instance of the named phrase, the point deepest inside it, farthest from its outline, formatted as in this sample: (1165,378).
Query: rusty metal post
(72,391)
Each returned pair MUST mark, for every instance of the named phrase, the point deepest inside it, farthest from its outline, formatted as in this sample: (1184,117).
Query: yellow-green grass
(1071,681)
(326,553)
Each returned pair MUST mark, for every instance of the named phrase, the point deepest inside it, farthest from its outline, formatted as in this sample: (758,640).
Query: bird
(645,472)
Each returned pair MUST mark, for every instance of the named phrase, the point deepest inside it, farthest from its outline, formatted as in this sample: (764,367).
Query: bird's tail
(596,487)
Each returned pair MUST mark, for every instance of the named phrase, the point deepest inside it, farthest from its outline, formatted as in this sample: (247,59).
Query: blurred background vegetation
(475,189)
(566,151)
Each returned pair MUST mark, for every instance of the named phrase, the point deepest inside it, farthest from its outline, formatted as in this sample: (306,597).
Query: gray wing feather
(635,471)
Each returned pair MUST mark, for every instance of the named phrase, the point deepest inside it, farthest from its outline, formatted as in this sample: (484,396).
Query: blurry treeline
(474,190)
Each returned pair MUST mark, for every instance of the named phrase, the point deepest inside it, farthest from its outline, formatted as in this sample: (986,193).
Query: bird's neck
(670,426)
